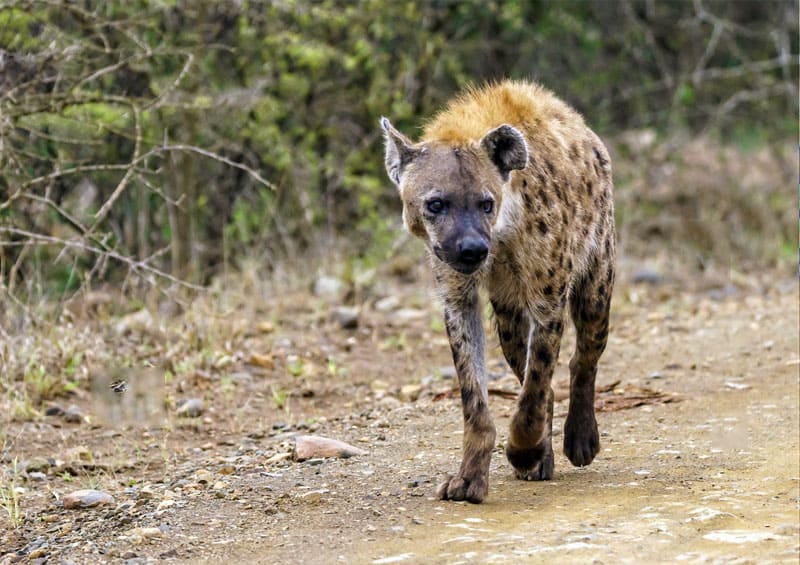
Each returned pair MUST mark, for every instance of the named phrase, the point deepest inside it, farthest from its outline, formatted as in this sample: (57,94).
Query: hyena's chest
(529,273)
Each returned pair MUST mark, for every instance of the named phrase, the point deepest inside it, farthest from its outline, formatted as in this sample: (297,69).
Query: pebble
(265,327)
(312,497)
(38,552)
(145,533)
(313,447)
(34,465)
(203,476)
(87,499)
(387,304)
(54,410)
(647,276)
(389,402)
(164,504)
(147,492)
(410,393)
(73,415)
(346,317)
(328,287)
(190,408)
(263,361)
(241,378)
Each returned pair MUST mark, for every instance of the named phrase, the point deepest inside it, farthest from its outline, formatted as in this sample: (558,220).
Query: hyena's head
(452,195)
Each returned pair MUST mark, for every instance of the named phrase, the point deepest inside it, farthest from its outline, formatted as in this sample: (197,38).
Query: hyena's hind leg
(529,448)
(590,302)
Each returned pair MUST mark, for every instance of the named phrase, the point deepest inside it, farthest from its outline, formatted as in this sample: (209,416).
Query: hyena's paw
(581,438)
(473,488)
(533,463)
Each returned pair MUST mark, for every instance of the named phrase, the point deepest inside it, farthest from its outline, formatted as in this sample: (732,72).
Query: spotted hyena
(510,190)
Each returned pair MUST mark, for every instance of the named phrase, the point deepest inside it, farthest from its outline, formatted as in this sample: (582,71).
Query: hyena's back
(558,211)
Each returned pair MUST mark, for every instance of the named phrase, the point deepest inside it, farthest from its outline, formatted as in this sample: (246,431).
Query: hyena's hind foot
(532,429)
(532,464)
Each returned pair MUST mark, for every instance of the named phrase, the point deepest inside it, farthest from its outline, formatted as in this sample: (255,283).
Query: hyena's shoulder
(524,105)
(563,150)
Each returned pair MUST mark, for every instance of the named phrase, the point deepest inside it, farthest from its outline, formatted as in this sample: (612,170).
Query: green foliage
(293,90)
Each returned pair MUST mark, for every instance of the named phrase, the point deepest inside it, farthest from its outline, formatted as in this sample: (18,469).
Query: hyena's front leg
(530,447)
(465,329)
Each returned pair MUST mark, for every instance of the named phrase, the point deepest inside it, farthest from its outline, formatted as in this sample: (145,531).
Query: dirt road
(712,475)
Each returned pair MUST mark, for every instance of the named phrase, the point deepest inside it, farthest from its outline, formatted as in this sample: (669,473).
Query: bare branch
(136,266)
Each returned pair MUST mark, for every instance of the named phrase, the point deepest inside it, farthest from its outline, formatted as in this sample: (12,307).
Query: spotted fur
(511,191)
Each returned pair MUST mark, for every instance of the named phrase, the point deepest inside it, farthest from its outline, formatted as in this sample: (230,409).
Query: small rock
(405,316)
(647,276)
(410,393)
(312,447)
(164,504)
(390,402)
(719,294)
(387,304)
(242,378)
(448,372)
(37,476)
(190,408)
(656,375)
(147,492)
(145,533)
(73,415)
(54,410)
(203,476)
(346,317)
(86,499)
(312,496)
(265,327)
(34,465)
(263,361)
(328,287)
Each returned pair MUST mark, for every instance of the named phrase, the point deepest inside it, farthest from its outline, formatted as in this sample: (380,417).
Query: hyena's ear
(507,149)
(399,151)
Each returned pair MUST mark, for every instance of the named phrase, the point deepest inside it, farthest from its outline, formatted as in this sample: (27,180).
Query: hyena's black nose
(472,250)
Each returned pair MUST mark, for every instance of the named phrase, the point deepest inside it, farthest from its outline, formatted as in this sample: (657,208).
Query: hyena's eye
(487,206)
(435,206)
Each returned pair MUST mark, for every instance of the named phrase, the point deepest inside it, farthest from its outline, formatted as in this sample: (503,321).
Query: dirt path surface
(704,469)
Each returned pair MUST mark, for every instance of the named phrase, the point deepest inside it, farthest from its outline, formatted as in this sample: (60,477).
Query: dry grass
(708,206)
(700,205)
